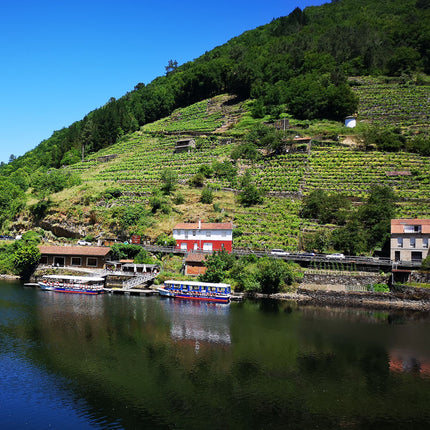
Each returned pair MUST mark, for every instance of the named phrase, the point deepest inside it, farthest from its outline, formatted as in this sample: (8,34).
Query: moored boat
(193,290)
(72,284)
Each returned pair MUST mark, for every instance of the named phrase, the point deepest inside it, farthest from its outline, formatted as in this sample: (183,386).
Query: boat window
(195,288)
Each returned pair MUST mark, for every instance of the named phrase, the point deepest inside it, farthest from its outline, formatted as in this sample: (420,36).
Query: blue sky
(61,59)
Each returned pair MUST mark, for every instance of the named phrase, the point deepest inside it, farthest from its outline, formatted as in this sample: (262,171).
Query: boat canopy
(197,284)
(71,278)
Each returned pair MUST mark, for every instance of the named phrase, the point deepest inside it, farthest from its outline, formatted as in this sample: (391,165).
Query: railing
(138,280)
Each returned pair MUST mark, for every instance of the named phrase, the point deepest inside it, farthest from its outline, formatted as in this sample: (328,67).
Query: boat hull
(216,298)
(204,298)
(59,289)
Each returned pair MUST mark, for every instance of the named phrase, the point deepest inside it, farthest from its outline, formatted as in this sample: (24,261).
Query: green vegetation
(264,275)
(297,63)
(378,288)
(20,257)
(278,192)
(363,230)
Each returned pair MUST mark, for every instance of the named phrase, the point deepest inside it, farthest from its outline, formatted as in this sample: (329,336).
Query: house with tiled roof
(91,257)
(410,239)
(195,264)
(206,237)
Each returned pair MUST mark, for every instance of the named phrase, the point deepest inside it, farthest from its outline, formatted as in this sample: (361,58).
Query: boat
(193,290)
(72,284)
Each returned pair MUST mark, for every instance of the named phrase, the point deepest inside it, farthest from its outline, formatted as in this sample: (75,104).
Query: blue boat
(72,284)
(193,290)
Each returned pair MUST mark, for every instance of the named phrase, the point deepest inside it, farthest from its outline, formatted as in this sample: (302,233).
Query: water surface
(73,361)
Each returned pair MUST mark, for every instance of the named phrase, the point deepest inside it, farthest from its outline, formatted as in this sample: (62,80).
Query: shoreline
(407,300)
(402,298)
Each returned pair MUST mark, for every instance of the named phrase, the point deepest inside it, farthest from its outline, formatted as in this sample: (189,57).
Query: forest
(296,64)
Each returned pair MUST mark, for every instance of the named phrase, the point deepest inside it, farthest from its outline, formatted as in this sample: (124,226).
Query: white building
(409,239)
(206,237)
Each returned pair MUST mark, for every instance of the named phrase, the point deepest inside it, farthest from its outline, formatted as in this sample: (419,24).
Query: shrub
(207,195)
(378,288)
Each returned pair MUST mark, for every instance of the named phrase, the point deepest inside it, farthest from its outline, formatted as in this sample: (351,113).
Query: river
(126,362)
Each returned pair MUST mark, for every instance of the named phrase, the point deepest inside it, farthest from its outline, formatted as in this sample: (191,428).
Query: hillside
(311,69)
(115,198)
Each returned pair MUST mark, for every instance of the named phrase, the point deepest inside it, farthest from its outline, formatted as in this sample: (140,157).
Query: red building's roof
(204,226)
(398,224)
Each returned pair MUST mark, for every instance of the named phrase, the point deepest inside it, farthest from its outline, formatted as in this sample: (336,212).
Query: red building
(202,236)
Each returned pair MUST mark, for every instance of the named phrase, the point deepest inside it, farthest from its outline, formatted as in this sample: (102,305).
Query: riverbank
(403,298)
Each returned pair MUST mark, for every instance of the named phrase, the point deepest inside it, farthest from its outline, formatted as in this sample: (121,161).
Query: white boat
(72,284)
(194,290)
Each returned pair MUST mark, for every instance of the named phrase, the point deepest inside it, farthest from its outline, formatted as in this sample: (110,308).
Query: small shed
(195,264)
(350,121)
(184,145)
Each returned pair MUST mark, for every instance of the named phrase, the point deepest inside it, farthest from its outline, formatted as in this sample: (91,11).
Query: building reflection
(198,323)
(403,361)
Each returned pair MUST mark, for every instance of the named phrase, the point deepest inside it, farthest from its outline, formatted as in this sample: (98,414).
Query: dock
(131,291)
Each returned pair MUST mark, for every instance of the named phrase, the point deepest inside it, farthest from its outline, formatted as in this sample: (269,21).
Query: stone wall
(343,279)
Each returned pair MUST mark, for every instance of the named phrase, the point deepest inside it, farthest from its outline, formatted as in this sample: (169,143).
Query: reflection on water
(198,321)
(71,361)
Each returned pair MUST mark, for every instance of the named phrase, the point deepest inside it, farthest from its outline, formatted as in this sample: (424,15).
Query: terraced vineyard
(141,156)
(393,104)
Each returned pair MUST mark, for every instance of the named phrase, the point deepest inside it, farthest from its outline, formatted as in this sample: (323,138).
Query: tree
(327,208)
(250,194)
(274,274)
(172,65)
(376,214)
(25,260)
(217,266)
(207,195)
(350,239)
(169,179)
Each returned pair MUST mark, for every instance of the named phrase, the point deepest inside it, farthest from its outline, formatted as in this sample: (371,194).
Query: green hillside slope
(121,182)
(310,69)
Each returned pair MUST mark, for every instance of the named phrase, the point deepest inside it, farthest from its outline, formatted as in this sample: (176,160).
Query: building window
(76,261)
(208,233)
(44,259)
(224,234)
(417,256)
(400,242)
(412,242)
(412,229)
(207,247)
(91,262)
(184,246)
(194,232)
(425,242)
